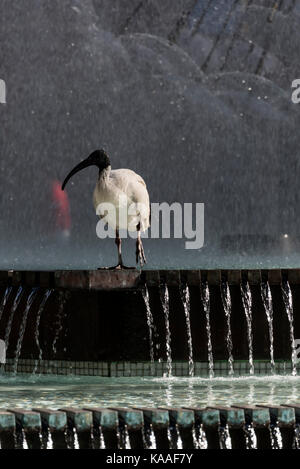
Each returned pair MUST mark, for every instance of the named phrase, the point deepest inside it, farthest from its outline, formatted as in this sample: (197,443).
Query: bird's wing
(125,178)
(134,187)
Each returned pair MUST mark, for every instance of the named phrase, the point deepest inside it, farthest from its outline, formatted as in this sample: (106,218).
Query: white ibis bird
(119,187)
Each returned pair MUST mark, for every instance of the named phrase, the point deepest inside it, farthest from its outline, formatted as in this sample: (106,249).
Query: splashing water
(30,300)
(62,298)
(15,305)
(72,438)
(175,437)
(250,435)
(37,325)
(4,300)
(268,305)
(21,440)
(206,306)
(247,304)
(288,303)
(185,296)
(124,438)
(226,300)
(101,439)
(275,435)
(164,295)
(47,441)
(149,438)
(150,323)
(201,438)
(225,440)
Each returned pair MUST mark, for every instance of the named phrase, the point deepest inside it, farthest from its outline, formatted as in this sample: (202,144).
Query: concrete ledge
(80,419)
(131,417)
(54,420)
(182,417)
(105,418)
(259,417)
(132,279)
(157,417)
(29,420)
(137,421)
(7,421)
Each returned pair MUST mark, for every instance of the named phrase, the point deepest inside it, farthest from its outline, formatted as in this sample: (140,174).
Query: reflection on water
(54,391)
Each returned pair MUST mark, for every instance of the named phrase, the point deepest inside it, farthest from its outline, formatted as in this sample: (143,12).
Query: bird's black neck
(104,172)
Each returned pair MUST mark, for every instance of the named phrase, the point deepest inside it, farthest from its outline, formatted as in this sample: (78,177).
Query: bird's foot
(117,267)
(140,256)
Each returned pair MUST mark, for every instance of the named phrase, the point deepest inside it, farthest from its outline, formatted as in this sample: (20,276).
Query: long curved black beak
(84,164)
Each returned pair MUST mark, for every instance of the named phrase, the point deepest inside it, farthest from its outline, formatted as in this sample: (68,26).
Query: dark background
(195,95)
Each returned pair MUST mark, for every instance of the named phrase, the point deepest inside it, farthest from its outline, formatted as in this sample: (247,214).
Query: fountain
(199,350)
(218,294)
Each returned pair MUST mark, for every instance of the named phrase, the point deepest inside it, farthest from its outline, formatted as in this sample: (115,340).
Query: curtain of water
(164,295)
(247,304)
(150,323)
(268,305)
(30,300)
(37,326)
(185,297)
(15,305)
(288,303)
(4,300)
(205,296)
(226,300)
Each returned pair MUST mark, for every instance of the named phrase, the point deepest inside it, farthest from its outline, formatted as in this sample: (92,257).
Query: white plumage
(123,188)
(126,191)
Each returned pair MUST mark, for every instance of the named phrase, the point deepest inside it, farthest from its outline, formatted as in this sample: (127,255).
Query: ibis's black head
(98,158)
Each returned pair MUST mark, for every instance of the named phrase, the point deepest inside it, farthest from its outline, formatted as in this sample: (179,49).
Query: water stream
(185,296)
(226,300)
(15,305)
(268,305)
(4,301)
(150,324)
(32,296)
(288,303)
(164,295)
(247,304)
(205,296)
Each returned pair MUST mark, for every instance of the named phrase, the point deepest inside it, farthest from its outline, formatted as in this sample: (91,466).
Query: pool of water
(55,392)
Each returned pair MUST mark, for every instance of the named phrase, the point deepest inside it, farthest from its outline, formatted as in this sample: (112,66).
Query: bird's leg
(140,255)
(118,242)
(120,264)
